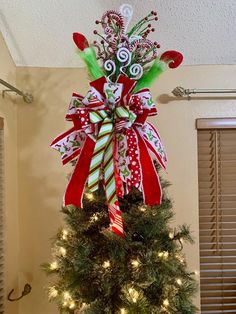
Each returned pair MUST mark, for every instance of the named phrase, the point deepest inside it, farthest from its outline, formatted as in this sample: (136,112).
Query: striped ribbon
(109,172)
(103,160)
(103,151)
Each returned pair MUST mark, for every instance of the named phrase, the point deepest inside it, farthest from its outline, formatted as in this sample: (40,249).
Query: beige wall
(42,178)
(8,110)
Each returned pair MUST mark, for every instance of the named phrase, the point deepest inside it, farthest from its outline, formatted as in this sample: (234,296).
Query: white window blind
(217,212)
(1,220)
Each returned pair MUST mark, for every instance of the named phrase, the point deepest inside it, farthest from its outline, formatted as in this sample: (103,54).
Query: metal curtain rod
(26,96)
(181,92)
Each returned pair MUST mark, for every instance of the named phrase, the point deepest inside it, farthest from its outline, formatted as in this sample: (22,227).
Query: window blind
(217,214)
(1,220)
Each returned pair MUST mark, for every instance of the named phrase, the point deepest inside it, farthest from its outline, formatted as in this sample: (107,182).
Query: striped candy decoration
(116,218)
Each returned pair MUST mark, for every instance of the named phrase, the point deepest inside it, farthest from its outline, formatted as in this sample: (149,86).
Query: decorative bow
(113,143)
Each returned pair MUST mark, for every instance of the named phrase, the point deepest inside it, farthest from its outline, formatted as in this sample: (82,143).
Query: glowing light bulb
(142,209)
(171,235)
(54,265)
(62,251)
(65,303)
(135,263)
(166,302)
(166,255)
(180,258)
(66,296)
(53,293)
(181,240)
(94,218)
(133,294)
(106,264)
(179,281)
(163,255)
(196,272)
(89,196)
(122,311)
(72,305)
(64,234)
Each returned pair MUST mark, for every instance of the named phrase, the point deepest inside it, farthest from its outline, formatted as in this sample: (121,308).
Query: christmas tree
(130,260)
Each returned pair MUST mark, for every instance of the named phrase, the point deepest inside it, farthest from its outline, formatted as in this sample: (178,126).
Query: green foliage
(144,272)
(89,57)
(149,77)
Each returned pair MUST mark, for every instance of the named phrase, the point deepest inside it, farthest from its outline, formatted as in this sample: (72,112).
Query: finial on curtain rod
(28,98)
(181,91)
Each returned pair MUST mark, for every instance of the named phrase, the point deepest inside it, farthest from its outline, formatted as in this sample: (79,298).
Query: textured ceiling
(39,33)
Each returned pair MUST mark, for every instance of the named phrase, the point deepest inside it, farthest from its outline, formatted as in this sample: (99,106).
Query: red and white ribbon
(136,143)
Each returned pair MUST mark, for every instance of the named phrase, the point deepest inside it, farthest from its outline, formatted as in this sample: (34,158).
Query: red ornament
(174,58)
(80,41)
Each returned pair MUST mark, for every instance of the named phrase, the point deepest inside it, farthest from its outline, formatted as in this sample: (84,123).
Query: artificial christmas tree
(129,261)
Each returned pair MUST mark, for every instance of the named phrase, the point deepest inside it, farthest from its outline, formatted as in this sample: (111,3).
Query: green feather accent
(154,72)
(89,57)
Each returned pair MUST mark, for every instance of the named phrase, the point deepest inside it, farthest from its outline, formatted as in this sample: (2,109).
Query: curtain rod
(181,92)
(28,98)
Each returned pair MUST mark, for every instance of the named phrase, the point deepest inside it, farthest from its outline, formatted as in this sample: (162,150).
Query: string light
(135,263)
(171,235)
(65,303)
(166,255)
(53,293)
(180,258)
(166,303)
(68,302)
(106,264)
(179,281)
(196,272)
(94,218)
(90,196)
(134,294)
(72,305)
(163,254)
(64,234)
(142,209)
(54,265)
(62,251)
(66,296)
(122,311)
